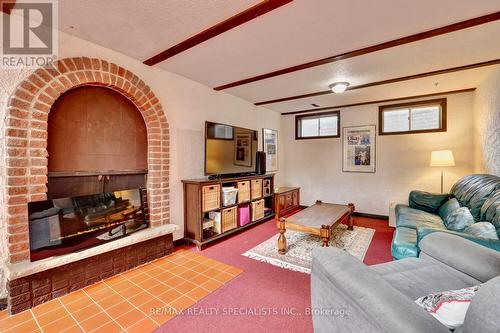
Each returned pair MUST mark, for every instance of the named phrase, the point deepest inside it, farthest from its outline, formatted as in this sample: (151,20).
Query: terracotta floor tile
(211,272)
(145,325)
(26,326)
(95,322)
(130,318)
(212,285)
(119,309)
(102,294)
(110,301)
(198,293)
(234,271)
(83,302)
(182,303)
(47,307)
(59,325)
(198,279)
(188,274)
(86,313)
(131,291)
(164,276)
(223,277)
(155,271)
(177,270)
(15,320)
(158,289)
(96,287)
(73,329)
(132,273)
(185,287)
(169,296)
(51,316)
(110,327)
(151,306)
(114,280)
(3,314)
(174,282)
(162,317)
(72,297)
(140,298)
(122,285)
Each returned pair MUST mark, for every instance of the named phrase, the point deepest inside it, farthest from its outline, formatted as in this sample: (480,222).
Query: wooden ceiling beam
(251,13)
(378,83)
(370,49)
(380,101)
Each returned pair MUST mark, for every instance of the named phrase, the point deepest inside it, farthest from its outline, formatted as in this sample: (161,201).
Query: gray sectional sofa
(348,296)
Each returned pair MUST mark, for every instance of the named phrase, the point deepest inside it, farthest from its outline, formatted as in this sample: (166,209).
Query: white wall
(402,160)
(487,125)
(187,104)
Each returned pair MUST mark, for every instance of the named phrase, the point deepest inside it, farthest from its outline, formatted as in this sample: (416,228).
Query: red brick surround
(26,139)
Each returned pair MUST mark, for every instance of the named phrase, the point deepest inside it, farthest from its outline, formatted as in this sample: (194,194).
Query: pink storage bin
(243,215)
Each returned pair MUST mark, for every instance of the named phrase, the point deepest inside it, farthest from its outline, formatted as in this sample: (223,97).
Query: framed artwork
(243,149)
(358,149)
(270,146)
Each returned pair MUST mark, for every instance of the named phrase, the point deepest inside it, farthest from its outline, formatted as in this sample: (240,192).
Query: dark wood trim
(372,216)
(6,6)
(247,15)
(443,119)
(370,49)
(378,83)
(299,118)
(450,92)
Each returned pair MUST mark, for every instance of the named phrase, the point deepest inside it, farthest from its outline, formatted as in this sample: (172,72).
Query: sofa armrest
(458,252)
(426,201)
(347,296)
(493,244)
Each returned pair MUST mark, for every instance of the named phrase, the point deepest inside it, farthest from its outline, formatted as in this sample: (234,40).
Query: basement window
(415,117)
(318,126)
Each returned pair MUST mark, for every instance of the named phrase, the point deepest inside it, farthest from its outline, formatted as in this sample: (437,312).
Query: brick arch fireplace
(26,139)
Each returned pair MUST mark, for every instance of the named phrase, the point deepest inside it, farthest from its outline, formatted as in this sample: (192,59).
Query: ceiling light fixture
(339,87)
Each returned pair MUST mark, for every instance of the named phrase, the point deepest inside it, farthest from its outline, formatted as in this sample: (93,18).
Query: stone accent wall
(25,143)
(487,125)
(35,289)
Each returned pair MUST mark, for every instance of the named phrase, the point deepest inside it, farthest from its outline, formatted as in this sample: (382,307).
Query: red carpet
(264,298)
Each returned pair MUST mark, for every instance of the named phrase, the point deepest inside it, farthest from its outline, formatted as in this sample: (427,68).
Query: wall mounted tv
(229,149)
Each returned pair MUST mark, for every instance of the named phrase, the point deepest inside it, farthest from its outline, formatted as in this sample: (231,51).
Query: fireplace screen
(60,226)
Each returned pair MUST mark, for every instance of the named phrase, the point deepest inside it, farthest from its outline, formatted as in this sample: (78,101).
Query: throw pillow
(449,307)
(482,229)
(459,219)
(426,201)
(448,207)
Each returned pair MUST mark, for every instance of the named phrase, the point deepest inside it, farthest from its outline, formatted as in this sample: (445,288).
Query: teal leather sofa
(479,193)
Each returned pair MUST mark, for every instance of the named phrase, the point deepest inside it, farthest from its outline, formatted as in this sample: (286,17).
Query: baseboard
(180,242)
(372,216)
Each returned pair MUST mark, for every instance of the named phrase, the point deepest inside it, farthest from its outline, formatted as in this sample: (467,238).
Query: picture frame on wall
(359,149)
(270,147)
(243,149)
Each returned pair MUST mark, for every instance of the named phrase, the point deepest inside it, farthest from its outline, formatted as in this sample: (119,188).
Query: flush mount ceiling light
(338,87)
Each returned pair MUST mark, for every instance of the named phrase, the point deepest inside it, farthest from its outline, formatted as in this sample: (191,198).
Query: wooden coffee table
(317,219)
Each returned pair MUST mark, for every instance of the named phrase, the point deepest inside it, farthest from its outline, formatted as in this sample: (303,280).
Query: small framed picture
(270,146)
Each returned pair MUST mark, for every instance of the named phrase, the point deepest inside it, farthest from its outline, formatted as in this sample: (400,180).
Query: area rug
(300,246)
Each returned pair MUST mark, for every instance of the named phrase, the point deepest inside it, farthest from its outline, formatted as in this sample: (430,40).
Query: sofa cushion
(459,219)
(404,243)
(482,229)
(490,211)
(412,218)
(482,315)
(426,201)
(473,190)
(448,207)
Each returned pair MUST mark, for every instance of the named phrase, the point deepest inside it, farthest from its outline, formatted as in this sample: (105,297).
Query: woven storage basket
(243,191)
(256,188)
(210,197)
(229,219)
(257,210)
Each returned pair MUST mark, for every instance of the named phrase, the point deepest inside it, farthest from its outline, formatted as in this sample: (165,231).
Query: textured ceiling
(301,31)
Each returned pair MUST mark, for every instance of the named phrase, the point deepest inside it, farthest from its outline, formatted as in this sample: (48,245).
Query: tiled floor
(136,301)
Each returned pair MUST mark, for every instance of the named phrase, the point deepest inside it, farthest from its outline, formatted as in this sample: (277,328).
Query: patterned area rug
(300,246)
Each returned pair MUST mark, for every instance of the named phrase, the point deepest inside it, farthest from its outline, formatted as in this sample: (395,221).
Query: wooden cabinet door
(295,198)
(282,202)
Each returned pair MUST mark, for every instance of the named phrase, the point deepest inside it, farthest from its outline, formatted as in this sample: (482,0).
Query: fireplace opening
(97,173)
(66,225)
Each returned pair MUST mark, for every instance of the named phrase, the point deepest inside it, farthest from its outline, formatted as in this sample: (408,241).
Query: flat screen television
(229,149)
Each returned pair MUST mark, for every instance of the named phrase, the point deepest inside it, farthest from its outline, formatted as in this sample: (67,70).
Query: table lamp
(442,158)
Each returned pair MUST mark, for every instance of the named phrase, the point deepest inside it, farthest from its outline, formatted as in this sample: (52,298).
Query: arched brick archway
(26,138)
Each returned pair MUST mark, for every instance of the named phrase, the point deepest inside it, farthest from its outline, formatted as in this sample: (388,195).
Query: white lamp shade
(442,158)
